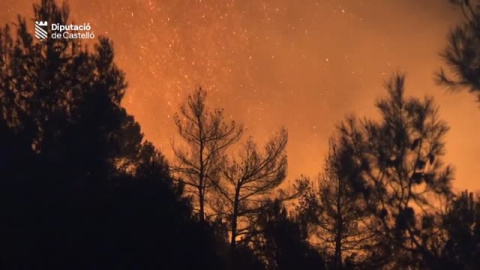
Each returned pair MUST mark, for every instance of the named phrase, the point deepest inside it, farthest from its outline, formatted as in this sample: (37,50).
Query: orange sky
(302,64)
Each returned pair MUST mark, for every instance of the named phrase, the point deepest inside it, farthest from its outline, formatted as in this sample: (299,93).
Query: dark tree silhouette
(335,212)
(283,243)
(462,55)
(403,181)
(207,135)
(462,224)
(248,184)
(80,187)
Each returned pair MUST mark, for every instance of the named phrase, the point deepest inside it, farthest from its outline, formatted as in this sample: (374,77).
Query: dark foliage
(283,243)
(207,136)
(403,181)
(335,213)
(462,54)
(80,188)
(462,224)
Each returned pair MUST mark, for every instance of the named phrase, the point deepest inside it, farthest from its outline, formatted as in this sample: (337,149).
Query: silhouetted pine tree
(247,184)
(403,181)
(462,224)
(283,242)
(80,187)
(462,55)
(207,136)
(335,212)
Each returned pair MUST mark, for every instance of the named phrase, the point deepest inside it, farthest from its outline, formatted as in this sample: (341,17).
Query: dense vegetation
(80,187)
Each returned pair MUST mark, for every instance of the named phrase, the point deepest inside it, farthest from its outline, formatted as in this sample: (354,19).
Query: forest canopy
(82,188)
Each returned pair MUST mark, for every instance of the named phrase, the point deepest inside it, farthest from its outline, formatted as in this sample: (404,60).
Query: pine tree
(207,136)
(247,184)
(403,181)
(80,187)
(335,212)
(462,55)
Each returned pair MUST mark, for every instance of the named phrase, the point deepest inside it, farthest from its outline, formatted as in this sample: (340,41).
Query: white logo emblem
(40,29)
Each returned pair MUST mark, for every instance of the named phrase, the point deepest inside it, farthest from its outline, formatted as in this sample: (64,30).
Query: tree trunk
(339,229)
(338,250)
(201,203)
(233,241)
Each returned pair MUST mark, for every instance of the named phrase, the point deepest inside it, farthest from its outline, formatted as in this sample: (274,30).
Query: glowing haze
(301,64)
